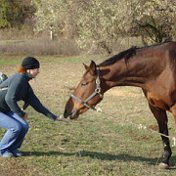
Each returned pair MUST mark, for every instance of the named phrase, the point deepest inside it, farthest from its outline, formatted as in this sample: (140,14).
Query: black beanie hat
(30,63)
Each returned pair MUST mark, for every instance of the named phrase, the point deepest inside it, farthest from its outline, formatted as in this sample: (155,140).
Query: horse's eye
(84,83)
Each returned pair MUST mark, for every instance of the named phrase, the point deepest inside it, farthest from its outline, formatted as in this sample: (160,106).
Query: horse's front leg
(162,120)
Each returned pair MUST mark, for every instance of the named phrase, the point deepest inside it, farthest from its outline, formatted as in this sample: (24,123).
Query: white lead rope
(140,126)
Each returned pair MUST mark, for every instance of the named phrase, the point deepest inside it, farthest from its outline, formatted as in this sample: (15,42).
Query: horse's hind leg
(162,120)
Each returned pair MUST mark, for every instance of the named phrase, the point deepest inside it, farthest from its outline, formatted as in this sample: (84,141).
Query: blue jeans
(16,130)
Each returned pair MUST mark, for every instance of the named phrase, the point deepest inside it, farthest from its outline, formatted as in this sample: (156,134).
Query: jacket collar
(28,76)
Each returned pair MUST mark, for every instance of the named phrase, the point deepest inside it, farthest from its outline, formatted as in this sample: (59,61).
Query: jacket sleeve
(37,105)
(10,98)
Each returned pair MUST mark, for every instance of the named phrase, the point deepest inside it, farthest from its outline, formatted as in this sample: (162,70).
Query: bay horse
(152,68)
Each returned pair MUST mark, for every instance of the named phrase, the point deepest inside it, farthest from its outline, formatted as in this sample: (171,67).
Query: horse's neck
(136,72)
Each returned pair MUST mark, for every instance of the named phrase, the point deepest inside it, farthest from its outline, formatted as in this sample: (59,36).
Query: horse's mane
(127,54)
(124,54)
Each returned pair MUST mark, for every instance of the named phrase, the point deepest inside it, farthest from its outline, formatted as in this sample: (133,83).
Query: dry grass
(40,47)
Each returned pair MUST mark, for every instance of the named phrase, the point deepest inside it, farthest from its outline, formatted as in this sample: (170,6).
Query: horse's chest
(157,101)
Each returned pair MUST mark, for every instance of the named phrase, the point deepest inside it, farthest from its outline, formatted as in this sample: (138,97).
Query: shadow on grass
(125,157)
(120,157)
(101,156)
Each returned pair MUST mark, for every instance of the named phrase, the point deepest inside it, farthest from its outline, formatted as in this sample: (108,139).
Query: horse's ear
(93,68)
(85,66)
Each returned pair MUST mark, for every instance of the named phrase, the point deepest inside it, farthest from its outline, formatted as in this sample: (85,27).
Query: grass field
(94,145)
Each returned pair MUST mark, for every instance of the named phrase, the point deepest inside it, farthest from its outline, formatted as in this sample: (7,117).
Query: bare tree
(100,23)
(153,20)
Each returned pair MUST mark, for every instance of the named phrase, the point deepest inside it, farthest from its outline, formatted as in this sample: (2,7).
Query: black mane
(128,54)
(124,54)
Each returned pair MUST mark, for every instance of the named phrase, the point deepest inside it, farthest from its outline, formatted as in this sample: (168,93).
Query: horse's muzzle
(72,115)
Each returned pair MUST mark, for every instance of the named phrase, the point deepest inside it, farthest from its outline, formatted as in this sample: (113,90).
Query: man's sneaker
(7,154)
(17,153)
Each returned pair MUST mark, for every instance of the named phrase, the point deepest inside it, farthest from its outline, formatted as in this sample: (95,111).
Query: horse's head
(87,94)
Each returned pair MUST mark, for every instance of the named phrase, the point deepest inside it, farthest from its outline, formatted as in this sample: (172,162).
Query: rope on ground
(140,126)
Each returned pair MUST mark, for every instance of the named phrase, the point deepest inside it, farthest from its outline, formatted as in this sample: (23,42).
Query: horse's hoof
(163,166)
